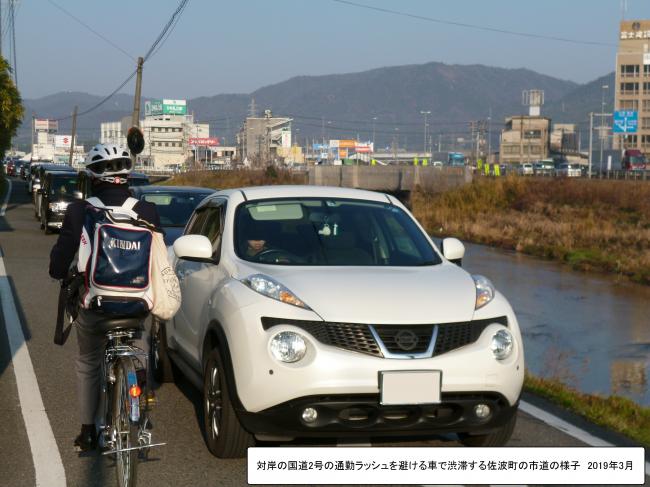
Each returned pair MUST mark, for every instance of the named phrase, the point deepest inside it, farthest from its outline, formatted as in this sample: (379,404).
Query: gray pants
(89,365)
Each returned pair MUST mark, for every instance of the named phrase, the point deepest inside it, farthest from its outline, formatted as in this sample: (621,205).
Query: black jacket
(66,246)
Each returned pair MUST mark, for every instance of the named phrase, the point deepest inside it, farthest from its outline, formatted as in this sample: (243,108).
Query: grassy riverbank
(591,225)
(614,412)
(237,179)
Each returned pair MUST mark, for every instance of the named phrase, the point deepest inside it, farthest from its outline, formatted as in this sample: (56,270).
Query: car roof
(306,191)
(149,189)
(66,174)
(56,167)
(138,175)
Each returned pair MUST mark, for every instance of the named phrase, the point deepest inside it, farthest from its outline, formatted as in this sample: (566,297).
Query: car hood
(171,234)
(431,294)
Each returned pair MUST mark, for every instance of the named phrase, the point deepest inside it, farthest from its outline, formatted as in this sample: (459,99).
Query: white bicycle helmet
(108,162)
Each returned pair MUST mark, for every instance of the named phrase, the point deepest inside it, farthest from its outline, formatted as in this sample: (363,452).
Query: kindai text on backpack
(116,258)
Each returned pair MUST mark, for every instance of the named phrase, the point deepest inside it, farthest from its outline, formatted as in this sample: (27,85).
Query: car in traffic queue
(314,311)
(175,205)
(545,167)
(84,185)
(39,179)
(526,169)
(57,192)
(568,170)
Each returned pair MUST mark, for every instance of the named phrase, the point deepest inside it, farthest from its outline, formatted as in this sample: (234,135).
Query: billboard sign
(334,144)
(347,144)
(625,121)
(204,141)
(165,107)
(366,148)
(62,141)
(45,124)
(320,147)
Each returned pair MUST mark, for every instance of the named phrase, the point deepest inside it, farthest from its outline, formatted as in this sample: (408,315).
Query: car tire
(162,368)
(498,438)
(225,437)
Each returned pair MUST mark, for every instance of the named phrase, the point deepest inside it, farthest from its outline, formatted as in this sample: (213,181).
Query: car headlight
(288,346)
(484,291)
(58,206)
(271,288)
(502,344)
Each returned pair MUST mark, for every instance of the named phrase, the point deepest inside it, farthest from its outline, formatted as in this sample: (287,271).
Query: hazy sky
(238,46)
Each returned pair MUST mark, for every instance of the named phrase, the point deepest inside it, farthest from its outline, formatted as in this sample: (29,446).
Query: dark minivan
(57,192)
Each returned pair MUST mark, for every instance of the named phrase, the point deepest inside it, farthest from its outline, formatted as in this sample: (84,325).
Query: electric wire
(474,26)
(105,39)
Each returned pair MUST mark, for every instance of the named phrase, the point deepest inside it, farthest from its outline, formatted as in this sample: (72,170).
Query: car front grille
(395,339)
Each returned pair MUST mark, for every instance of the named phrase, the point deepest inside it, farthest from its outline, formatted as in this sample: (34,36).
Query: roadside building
(525,139)
(261,138)
(49,145)
(565,138)
(167,130)
(633,82)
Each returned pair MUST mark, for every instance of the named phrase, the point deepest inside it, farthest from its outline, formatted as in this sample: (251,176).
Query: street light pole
(602,124)
(591,134)
(425,113)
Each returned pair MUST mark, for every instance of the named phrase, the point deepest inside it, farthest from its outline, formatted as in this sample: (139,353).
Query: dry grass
(237,179)
(599,225)
(613,412)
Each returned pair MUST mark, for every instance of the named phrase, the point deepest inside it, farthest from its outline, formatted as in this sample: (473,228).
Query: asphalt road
(185,459)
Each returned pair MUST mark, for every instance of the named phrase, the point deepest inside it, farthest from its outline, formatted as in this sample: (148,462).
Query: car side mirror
(195,248)
(453,250)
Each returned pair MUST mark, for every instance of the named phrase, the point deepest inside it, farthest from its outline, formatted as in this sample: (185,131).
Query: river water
(590,331)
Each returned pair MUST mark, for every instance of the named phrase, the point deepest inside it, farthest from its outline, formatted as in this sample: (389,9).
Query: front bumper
(362,415)
(55,218)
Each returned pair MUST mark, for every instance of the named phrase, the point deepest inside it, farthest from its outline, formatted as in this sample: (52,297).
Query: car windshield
(63,186)
(174,208)
(637,160)
(330,232)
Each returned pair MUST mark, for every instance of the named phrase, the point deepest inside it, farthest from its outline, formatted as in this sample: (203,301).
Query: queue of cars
(322,312)
(54,186)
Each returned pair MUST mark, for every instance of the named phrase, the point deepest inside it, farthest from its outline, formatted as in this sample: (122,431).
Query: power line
(474,26)
(91,29)
(174,17)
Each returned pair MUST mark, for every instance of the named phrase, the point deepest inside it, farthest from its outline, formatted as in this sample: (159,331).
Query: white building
(50,146)
(167,130)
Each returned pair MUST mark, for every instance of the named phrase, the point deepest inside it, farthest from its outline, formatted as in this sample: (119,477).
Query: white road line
(48,467)
(568,428)
(3,209)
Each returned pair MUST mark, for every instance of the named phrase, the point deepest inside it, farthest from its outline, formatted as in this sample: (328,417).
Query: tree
(11,107)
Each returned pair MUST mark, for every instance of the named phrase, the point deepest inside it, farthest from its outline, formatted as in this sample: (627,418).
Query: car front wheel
(224,434)
(497,438)
(161,365)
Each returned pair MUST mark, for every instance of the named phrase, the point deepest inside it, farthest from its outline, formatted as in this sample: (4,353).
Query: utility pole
(591,132)
(135,119)
(33,123)
(374,119)
(601,130)
(12,18)
(74,131)
(425,113)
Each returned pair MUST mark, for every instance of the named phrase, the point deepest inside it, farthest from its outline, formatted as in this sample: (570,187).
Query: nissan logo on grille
(406,340)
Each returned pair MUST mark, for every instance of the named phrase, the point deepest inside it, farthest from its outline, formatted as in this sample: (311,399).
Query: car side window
(195,224)
(213,228)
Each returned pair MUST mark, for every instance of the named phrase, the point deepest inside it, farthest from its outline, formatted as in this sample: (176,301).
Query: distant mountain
(575,106)
(345,104)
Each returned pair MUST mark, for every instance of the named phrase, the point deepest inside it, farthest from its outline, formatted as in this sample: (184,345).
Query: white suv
(328,312)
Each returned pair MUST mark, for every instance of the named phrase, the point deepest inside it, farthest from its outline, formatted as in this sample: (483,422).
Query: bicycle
(124,432)
(124,419)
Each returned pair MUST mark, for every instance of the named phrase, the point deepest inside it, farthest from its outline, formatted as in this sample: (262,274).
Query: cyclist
(108,166)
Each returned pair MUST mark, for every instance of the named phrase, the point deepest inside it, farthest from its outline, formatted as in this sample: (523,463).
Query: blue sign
(321,147)
(625,122)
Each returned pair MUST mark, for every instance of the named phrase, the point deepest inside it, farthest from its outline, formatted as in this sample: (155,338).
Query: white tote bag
(166,289)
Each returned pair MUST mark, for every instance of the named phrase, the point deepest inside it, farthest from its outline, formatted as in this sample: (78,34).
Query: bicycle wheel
(126,431)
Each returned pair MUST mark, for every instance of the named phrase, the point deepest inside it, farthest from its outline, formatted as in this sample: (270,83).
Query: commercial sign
(165,107)
(625,121)
(45,124)
(347,144)
(639,34)
(204,141)
(62,141)
(320,147)
(366,148)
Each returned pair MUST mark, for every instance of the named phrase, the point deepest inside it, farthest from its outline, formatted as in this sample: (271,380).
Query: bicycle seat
(113,324)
